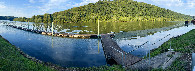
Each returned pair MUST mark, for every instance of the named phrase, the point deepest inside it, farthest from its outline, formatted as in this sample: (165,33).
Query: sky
(28,8)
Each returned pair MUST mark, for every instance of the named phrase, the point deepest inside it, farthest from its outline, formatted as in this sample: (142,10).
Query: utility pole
(28,24)
(52,28)
(98,28)
(170,49)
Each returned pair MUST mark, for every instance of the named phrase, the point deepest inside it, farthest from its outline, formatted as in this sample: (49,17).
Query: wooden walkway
(57,34)
(112,50)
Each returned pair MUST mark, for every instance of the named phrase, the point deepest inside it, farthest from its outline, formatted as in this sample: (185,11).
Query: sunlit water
(193,61)
(92,28)
(129,44)
(72,52)
(67,52)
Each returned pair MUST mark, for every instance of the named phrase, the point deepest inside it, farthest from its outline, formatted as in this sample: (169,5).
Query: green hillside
(7,18)
(111,11)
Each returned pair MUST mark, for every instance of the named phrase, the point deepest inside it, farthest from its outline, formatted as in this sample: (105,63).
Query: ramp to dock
(112,50)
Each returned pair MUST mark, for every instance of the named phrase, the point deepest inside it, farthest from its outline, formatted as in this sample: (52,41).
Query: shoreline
(185,57)
(67,35)
(183,44)
(51,65)
(60,68)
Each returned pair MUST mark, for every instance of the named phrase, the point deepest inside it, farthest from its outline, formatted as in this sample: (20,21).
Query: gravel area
(187,58)
(162,60)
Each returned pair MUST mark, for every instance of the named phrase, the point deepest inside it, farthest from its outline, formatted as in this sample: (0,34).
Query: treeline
(110,11)
(7,18)
(193,17)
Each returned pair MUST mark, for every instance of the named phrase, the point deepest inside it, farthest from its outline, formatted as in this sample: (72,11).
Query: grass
(103,68)
(178,64)
(12,60)
(184,44)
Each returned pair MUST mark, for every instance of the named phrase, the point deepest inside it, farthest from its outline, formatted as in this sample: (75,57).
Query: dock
(58,34)
(113,51)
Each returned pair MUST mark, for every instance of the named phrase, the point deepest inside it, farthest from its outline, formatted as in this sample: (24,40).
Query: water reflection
(92,28)
(69,52)
(193,61)
(52,42)
(66,52)
(155,40)
(98,45)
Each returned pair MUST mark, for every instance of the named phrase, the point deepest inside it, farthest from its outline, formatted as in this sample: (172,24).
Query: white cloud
(11,11)
(34,1)
(182,6)
(31,1)
(2,5)
(176,3)
(84,2)
(52,4)
(191,3)
(6,10)
(42,0)
(169,3)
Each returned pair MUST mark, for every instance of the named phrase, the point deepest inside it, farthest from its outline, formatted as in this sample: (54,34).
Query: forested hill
(111,11)
(7,18)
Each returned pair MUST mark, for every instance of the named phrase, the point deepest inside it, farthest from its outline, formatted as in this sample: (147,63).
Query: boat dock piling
(113,51)
(59,34)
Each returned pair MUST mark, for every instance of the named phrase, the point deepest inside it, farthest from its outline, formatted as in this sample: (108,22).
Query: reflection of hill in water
(142,33)
(92,28)
(193,61)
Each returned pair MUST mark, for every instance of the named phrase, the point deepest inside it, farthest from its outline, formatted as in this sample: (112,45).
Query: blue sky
(28,8)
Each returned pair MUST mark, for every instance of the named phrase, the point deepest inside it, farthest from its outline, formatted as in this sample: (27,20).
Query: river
(73,52)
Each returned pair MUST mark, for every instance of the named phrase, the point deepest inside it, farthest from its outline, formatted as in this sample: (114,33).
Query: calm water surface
(129,44)
(193,61)
(71,52)
(92,28)
(66,52)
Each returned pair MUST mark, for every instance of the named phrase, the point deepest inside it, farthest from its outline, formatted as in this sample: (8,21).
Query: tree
(117,10)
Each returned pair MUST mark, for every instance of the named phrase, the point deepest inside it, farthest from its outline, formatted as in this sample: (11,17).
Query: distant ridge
(7,18)
(110,11)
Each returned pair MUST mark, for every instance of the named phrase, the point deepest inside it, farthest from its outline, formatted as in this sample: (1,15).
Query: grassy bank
(184,44)
(12,60)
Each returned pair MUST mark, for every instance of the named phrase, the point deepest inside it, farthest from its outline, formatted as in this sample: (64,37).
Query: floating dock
(113,51)
(59,34)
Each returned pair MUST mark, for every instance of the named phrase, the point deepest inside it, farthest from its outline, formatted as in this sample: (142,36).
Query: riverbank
(184,44)
(13,59)
(17,60)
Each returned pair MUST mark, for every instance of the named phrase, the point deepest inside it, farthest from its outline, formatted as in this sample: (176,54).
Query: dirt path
(162,60)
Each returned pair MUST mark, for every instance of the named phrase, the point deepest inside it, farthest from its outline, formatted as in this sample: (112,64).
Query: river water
(73,52)
(193,61)
(128,43)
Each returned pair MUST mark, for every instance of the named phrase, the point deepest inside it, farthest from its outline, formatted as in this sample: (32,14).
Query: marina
(67,49)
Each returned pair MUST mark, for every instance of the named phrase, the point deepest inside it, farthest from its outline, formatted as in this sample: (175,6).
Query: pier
(113,51)
(58,34)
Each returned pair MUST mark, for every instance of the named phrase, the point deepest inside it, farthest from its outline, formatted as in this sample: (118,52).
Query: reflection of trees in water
(37,25)
(105,27)
(33,26)
(45,26)
(49,26)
